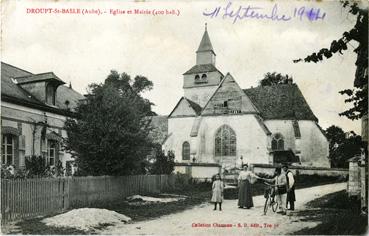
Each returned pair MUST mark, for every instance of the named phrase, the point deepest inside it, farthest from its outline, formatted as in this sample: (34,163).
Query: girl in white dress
(217,189)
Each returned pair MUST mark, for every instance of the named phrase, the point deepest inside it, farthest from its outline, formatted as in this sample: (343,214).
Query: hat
(285,165)
(245,165)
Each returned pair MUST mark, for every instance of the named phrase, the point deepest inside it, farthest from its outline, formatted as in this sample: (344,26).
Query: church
(218,124)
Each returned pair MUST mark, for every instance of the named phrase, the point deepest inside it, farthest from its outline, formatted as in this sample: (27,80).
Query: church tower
(205,53)
(200,82)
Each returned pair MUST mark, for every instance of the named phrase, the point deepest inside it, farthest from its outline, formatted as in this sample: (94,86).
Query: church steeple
(205,53)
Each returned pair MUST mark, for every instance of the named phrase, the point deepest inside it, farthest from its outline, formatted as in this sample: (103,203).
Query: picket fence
(24,198)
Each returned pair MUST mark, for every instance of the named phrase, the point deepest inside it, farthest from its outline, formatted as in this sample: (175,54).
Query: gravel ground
(230,221)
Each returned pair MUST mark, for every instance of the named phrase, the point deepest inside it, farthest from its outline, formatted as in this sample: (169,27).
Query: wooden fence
(25,198)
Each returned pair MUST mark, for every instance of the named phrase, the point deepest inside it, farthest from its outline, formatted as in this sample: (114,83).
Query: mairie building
(34,108)
(217,123)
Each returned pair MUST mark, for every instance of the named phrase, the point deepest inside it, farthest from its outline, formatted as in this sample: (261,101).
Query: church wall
(200,95)
(285,128)
(251,139)
(312,147)
(205,58)
(212,78)
(229,98)
(180,129)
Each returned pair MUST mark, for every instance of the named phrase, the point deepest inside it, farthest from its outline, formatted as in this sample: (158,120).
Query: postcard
(184,117)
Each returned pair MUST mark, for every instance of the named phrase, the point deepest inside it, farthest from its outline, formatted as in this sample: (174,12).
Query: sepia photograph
(184,117)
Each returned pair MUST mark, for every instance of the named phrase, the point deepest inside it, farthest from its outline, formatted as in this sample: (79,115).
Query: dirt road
(230,221)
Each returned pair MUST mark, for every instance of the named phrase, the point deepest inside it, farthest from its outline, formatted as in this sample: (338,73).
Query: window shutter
(22,143)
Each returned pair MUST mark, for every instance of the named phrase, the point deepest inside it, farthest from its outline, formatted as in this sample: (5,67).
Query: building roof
(283,101)
(202,68)
(11,90)
(196,107)
(159,132)
(38,78)
(65,94)
(205,44)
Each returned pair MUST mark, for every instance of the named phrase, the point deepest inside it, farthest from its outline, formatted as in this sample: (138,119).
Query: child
(218,188)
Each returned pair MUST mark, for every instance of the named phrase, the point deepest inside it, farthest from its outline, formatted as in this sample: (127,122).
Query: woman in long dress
(245,179)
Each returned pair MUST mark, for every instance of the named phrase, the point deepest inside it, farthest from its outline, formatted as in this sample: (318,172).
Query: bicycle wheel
(266,205)
(274,206)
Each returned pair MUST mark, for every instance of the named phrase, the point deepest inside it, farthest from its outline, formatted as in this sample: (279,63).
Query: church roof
(196,107)
(283,101)
(159,132)
(205,44)
(202,68)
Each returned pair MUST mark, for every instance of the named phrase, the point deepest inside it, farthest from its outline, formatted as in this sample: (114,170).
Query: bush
(182,181)
(9,172)
(36,166)
(163,164)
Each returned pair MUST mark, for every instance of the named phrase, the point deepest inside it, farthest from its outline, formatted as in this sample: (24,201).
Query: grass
(196,195)
(35,226)
(337,213)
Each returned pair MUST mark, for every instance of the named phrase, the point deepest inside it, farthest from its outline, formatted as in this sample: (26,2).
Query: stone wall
(353,187)
(303,170)
(199,171)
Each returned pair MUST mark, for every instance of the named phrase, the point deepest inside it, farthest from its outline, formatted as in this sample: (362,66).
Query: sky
(84,48)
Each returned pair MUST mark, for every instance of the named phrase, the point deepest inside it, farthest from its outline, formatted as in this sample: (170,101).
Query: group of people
(284,188)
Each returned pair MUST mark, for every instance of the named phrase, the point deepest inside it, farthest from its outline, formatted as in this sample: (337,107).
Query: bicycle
(269,199)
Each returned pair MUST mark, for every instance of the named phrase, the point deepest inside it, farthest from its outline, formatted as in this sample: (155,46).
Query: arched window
(186,151)
(277,142)
(225,141)
(197,77)
(8,149)
(204,76)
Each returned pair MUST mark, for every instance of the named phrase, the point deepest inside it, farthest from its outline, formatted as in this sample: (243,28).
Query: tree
(358,96)
(335,135)
(341,147)
(163,164)
(110,134)
(274,79)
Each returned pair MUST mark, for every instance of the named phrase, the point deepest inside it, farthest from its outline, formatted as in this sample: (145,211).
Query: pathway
(239,221)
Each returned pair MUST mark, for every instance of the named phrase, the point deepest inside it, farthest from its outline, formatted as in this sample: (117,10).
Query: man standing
(290,187)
